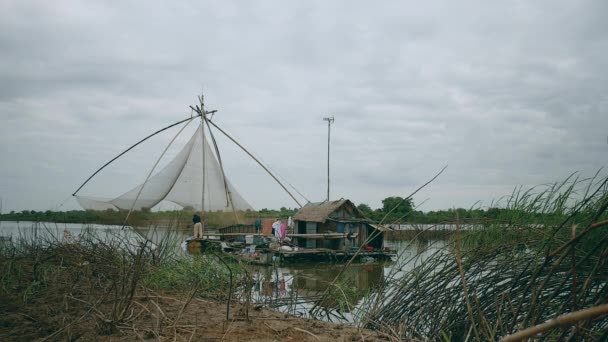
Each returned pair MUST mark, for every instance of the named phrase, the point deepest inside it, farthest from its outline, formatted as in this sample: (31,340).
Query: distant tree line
(84,216)
(141,217)
(281,213)
(394,209)
(397,209)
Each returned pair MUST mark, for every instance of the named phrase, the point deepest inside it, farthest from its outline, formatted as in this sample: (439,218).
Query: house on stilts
(322,231)
(339,228)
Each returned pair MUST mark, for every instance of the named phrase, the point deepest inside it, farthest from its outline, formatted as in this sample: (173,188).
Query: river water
(292,288)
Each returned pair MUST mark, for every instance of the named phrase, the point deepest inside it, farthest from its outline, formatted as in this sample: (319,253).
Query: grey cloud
(505,93)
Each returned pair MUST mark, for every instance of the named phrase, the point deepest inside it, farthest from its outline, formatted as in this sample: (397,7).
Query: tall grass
(71,286)
(517,272)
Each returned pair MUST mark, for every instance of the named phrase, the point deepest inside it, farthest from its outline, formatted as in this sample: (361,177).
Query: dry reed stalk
(307,332)
(574,240)
(314,309)
(190,297)
(515,279)
(463,280)
(563,320)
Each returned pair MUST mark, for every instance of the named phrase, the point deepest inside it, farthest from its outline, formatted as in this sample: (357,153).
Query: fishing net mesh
(181,182)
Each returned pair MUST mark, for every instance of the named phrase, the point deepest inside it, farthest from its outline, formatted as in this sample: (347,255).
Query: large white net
(181,182)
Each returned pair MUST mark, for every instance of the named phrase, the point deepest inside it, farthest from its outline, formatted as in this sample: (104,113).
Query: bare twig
(306,332)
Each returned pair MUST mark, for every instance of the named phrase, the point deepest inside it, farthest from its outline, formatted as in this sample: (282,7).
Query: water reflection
(46,232)
(295,289)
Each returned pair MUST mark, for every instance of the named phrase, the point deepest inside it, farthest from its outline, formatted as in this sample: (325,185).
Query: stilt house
(336,225)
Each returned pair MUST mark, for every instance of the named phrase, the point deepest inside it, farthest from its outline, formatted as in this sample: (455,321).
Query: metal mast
(329,120)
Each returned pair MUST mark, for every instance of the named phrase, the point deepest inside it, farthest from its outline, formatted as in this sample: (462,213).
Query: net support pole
(204,120)
(129,149)
(151,171)
(229,201)
(204,165)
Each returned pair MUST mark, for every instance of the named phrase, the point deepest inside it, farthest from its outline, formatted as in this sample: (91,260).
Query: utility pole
(329,122)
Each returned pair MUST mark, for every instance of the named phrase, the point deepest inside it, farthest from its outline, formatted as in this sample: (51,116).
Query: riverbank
(89,288)
(171,316)
(545,281)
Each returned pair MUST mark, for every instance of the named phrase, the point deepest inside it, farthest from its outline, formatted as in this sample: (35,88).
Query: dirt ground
(164,318)
(205,320)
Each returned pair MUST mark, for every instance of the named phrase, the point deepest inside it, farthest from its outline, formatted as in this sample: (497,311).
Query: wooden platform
(266,256)
(326,255)
(305,236)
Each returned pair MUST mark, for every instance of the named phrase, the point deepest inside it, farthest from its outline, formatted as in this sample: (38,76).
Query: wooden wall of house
(378,241)
(341,213)
(303,227)
(328,227)
(351,228)
(311,228)
(241,228)
(362,234)
(345,212)
(300,227)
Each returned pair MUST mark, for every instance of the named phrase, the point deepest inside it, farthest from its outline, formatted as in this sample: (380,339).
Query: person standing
(197,227)
(258,225)
(276,229)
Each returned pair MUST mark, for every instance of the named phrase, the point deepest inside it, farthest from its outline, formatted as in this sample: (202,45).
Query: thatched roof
(320,211)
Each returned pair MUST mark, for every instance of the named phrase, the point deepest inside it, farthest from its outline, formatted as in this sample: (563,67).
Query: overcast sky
(506,93)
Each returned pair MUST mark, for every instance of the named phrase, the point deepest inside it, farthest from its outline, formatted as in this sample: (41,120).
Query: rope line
(152,170)
(129,149)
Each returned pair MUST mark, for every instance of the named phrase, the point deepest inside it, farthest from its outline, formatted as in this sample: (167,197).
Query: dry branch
(563,320)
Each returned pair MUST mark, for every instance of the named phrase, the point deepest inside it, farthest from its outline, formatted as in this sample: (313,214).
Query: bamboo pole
(205,120)
(229,201)
(129,149)
(150,174)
